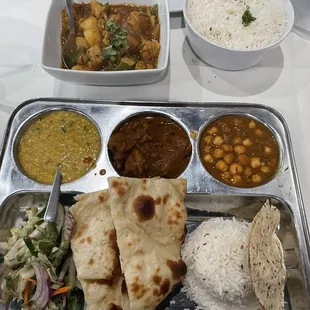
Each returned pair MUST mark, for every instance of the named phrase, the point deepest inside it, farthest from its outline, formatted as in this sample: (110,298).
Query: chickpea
(218,153)
(229,158)
(237,178)
(266,169)
(227,148)
(255,162)
(252,124)
(207,139)
(239,149)
(258,132)
(248,171)
(226,176)
(247,142)
(243,159)
(237,140)
(256,178)
(213,130)
(207,149)
(208,158)
(267,149)
(236,168)
(221,165)
(218,140)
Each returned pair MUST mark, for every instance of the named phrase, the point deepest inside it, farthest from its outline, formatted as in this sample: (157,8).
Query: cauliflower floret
(140,65)
(150,52)
(98,9)
(95,56)
(91,31)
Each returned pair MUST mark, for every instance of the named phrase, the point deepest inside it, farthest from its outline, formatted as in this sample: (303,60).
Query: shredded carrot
(26,295)
(26,292)
(61,290)
(32,281)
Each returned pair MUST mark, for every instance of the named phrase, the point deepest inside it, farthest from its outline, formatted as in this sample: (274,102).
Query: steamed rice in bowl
(217,266)
(238,24)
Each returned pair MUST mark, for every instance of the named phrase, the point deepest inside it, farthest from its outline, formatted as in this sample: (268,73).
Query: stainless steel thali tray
(206,197)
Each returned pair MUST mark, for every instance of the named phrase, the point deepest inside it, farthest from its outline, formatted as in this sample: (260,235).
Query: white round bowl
(227,58)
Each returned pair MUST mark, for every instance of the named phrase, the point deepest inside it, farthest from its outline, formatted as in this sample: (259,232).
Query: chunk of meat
(95,56)
(91,31)
(149,52)
(98,9)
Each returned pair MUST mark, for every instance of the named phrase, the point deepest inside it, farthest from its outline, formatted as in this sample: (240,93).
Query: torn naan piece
(266,258)
(93,242)
(102,294)
(149,218)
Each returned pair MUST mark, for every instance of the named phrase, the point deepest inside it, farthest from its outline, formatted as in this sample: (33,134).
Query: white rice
(220,21)
(217,266)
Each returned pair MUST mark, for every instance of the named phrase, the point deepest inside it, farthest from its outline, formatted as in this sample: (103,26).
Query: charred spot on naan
(144,207)
(113,307)
(120,187)
(138,288)
(177,268)
(77,233)
(90,262)
(163,288)
(165,198)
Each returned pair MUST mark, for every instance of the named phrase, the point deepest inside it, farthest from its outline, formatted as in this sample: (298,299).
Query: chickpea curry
(63,141)
(239,151)
(113,37)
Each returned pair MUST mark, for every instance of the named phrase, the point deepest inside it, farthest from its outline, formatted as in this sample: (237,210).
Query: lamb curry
(113,37)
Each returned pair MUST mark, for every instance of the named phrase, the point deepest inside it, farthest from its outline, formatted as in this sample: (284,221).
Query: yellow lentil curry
(63,141)
(239,151)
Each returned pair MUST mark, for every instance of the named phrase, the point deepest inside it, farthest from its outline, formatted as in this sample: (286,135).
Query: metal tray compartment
(201,208)
(206,194)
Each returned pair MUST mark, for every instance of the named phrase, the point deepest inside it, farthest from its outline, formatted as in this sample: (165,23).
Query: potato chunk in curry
(114,37)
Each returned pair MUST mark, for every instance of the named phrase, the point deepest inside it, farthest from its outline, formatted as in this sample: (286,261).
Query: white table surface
(281,80)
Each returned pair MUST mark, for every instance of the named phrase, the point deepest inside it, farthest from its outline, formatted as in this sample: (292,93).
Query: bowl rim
(290,23)
(127,72)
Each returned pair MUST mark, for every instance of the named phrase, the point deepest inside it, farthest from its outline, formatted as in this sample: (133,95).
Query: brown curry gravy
(240,151)
(149,146)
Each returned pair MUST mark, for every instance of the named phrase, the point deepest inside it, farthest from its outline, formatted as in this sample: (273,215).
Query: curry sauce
(63,141)
(150,146)
(240,151)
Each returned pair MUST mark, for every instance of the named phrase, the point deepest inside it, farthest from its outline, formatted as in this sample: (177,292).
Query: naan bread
(266,258)
(149,218)
(102,295)
(94,241)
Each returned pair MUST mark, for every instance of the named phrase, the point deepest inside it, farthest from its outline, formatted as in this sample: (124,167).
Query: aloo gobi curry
(113,37)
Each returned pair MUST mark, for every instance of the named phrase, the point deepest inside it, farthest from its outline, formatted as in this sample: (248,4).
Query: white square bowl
(51,52)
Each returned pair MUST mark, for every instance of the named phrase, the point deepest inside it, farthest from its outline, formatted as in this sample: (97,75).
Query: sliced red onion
(63,270)
(68,226)
(42,293)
